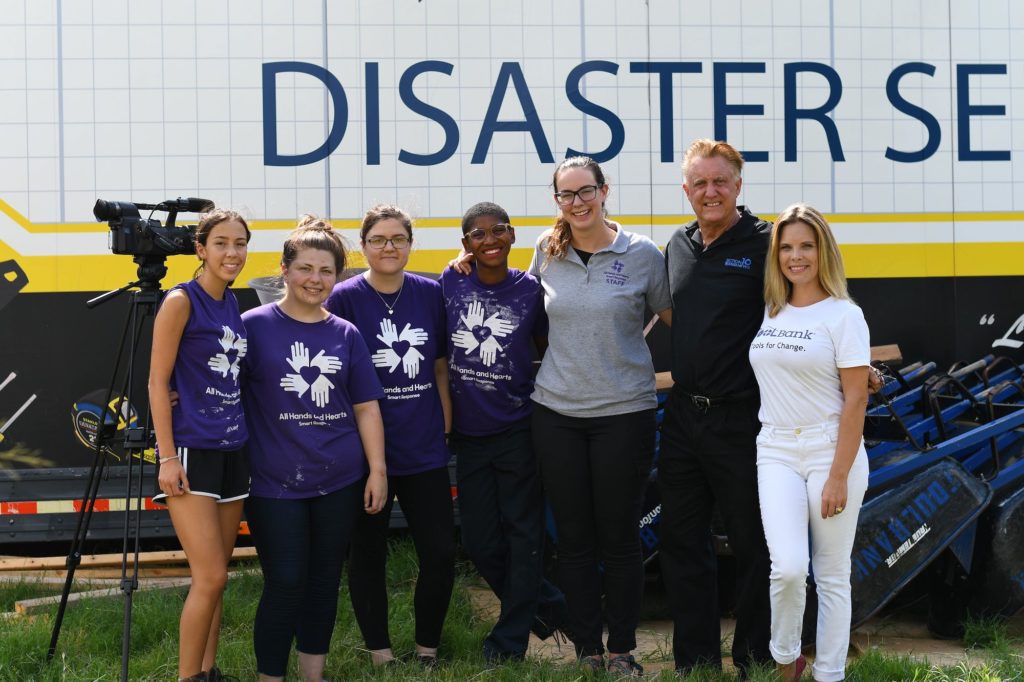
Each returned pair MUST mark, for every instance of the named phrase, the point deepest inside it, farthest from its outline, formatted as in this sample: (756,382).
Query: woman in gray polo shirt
(593,422)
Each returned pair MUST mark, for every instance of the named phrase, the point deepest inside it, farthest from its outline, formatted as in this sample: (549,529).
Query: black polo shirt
(717,305)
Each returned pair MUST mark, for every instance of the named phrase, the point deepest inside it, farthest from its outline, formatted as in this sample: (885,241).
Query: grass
(90,642)
(17,591)
(986,634)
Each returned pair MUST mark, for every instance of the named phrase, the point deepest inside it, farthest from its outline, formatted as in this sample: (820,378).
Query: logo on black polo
(741,263)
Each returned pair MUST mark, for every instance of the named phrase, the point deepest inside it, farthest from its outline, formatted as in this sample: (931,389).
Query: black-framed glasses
(497,230)
(567,196)
(378,242)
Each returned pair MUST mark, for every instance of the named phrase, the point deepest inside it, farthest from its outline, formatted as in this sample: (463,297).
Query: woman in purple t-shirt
(198,344)
(316,451)
(401,317)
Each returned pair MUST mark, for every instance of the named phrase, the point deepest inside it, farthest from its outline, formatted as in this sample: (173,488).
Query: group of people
(345,395)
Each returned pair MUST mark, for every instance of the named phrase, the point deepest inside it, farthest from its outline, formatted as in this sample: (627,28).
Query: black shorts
(220,474)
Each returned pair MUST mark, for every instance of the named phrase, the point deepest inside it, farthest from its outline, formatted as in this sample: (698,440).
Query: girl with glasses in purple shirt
(198,345)
(316,451)
(401,317)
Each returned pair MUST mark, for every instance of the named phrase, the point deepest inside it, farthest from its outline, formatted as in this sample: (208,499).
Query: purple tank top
(209,411)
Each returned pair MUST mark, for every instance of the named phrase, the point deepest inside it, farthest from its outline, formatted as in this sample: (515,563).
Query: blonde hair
(777,289)
(706,148)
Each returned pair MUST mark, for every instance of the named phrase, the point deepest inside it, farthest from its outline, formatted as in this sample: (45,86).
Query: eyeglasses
(567,196)
(379,242)
(497,230)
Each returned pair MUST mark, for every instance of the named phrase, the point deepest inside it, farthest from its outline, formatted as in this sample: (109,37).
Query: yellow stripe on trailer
(943,244)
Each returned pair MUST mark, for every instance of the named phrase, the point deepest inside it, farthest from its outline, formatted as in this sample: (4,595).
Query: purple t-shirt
(490,348)
(301,381)
(209,410)
(403,346)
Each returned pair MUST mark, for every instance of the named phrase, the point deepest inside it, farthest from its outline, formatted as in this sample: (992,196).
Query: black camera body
(136,236)
(133,235)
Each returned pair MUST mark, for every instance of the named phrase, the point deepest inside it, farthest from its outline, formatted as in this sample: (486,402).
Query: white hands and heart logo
(220,362)
(400,348)
(481,333)
(310,374)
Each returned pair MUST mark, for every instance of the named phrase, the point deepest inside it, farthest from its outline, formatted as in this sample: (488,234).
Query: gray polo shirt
(597,362)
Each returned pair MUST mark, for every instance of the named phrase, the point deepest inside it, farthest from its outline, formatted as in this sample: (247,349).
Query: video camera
(133,235)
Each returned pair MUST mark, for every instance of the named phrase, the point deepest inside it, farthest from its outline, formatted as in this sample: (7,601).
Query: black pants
(301,545)
(594,472)
(426,501)
(501,507)
(710,457)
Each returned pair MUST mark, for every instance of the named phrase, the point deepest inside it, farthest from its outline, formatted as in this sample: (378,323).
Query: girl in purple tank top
(198,345)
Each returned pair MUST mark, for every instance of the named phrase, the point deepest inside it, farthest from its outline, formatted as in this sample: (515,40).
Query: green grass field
(90,643)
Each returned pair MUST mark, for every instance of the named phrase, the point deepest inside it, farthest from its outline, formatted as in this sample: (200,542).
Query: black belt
(705,402)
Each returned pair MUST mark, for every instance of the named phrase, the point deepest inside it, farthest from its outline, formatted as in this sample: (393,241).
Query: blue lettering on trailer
(511,74)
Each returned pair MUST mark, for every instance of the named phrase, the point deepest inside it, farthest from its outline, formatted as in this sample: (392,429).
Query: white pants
(792,467)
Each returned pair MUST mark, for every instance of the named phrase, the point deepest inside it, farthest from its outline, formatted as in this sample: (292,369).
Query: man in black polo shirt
(708,455)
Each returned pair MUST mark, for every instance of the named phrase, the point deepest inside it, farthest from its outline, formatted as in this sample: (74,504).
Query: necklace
(391,307)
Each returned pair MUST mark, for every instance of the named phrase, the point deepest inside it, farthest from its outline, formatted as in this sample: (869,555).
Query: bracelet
(168,459)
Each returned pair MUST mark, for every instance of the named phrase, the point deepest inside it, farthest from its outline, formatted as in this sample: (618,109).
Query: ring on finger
(839,510)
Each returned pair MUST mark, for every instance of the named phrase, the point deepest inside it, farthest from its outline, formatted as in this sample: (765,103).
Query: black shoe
(428,661)
(215,675)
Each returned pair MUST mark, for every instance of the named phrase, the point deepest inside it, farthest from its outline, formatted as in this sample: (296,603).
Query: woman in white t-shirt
(811,358)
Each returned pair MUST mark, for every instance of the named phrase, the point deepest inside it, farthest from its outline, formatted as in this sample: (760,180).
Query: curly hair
(484,208)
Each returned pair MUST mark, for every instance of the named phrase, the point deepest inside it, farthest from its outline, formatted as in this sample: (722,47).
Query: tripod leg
(130,583)
(126,630)
(136,442)
(143,308)
(75,554)
(91,490)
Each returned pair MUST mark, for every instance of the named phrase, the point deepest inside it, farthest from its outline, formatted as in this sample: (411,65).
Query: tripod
(142,309)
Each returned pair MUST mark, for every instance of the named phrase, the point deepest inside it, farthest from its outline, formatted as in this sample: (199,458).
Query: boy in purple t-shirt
(495,316)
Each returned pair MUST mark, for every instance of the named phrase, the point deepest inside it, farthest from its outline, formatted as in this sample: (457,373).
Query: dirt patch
(891,635)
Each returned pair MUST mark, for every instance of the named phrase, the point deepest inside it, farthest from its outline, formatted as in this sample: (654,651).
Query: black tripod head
(151,269)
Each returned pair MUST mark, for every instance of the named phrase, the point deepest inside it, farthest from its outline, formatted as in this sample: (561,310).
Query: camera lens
(112,210)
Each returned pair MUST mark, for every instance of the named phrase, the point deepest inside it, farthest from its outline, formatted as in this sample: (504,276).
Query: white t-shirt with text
(796,357)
